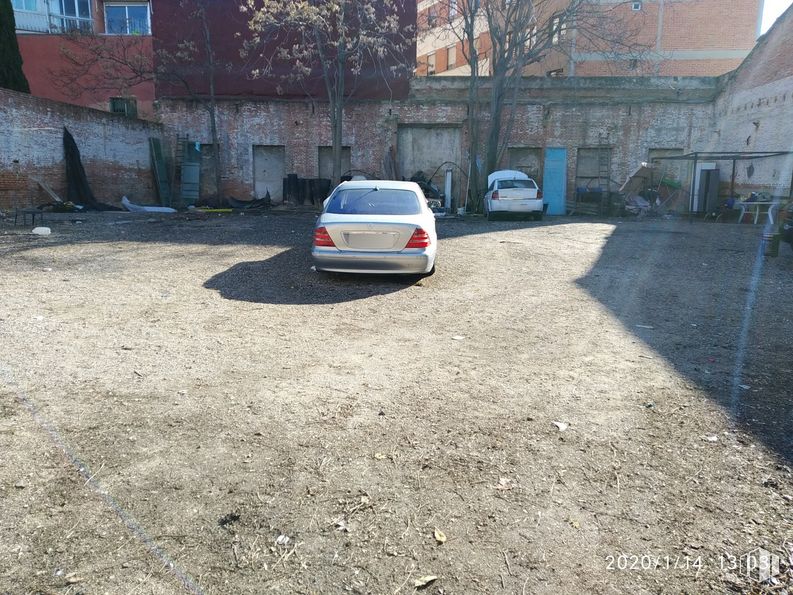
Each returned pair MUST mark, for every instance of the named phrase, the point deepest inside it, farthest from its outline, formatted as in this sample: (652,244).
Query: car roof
(384,184)
(506,174)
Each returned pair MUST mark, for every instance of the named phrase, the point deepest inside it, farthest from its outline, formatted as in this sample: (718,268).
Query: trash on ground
(424,581)
(133,208)
(561,425)
(440,536)
(41,231)
(282,540)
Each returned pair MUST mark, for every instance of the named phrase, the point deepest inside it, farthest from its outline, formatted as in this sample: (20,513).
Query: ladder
(604,168)
(178,159)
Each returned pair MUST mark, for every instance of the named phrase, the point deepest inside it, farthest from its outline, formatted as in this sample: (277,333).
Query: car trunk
(517,194)
(368,234)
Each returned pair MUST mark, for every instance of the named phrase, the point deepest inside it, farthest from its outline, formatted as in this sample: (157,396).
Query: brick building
(44,28)
(623,120)
(680,38)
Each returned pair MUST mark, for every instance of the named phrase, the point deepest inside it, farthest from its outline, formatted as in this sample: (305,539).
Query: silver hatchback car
(376,226)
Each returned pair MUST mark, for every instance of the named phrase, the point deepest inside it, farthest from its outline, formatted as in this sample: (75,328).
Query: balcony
(32,22)
(51,22)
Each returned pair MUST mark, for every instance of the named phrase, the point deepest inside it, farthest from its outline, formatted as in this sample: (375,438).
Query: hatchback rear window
(374,201)
(507,184)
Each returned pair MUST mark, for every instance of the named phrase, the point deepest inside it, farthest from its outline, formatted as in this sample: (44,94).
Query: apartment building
(44,28)
(676,38)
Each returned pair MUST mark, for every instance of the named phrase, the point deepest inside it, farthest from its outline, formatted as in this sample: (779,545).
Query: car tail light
(494,196)
(419,239)
(322,237)
(539,193)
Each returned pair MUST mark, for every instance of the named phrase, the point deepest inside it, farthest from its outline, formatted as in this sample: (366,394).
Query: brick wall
(46,68)
(631,116)
(114,150)
(755,113)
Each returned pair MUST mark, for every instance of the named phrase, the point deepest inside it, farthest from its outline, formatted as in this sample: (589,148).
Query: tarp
(78,190)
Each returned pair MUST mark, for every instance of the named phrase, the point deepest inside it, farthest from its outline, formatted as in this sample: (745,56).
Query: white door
(697,178)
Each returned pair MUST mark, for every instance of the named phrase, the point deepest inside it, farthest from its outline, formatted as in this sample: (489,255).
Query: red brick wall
(114,150)
(662,68)
(43,60)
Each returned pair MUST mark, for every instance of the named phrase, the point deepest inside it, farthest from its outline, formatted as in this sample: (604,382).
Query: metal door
(554,181)
(269,171)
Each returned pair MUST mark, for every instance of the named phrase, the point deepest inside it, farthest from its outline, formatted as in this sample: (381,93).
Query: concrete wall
(114,150)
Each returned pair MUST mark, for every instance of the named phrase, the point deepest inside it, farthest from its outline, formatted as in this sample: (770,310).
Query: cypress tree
(11,75)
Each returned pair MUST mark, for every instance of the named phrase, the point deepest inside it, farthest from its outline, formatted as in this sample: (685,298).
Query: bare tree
(500,39)
(342,44)
(118,63)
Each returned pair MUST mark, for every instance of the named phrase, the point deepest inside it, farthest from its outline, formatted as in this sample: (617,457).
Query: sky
(772,9)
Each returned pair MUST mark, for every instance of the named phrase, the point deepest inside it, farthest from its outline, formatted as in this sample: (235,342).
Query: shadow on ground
(288,279)
(715,308)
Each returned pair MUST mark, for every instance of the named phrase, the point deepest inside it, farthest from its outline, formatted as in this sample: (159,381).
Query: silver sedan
(376,226)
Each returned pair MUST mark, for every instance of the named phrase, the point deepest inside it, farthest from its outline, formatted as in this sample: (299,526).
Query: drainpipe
(659,35)
(761,8)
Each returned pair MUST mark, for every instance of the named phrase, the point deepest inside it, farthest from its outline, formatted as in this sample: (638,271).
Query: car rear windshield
(374,201)
(507,184)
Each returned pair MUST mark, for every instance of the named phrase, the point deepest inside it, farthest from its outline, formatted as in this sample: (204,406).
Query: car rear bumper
(339,261)
(515,206)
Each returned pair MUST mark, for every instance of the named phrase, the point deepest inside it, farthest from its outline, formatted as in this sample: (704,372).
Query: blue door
(554,180)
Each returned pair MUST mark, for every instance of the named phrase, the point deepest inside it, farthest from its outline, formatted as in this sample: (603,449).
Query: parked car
(511,191)
(787,224)
(376,226)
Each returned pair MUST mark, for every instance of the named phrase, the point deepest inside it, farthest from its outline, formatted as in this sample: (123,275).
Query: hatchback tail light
(494,196)
(539,193)
(419,239)
(322,238)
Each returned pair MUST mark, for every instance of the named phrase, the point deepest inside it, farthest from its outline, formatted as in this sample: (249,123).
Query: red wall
(43,59)
(172,24)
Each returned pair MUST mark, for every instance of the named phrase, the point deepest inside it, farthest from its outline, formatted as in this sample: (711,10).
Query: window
(72,15)
(431,64)
(556,73)
(451,57)
(452,9)
(374,201)
(432,16)
(558,29)
(127,19)
(636,6)
(531,41)
(29,5)
(127,106)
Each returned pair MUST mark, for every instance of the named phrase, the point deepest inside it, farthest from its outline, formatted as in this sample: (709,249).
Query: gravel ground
(567,406)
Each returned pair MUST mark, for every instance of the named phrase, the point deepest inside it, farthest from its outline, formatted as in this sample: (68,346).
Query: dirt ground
(566,406)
